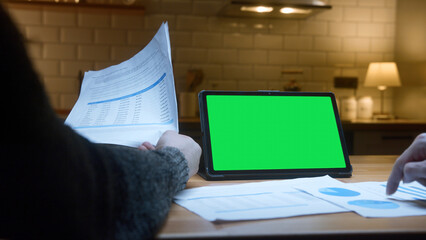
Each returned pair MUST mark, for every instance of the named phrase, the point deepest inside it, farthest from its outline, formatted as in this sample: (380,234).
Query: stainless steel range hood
(273,8)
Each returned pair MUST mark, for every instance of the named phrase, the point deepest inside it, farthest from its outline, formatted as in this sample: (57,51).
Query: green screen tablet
(271,135)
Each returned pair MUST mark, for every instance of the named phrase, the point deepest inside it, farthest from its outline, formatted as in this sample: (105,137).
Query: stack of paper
(131,102)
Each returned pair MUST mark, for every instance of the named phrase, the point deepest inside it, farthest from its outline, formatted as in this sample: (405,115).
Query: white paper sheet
(263,200)
(369,199)
(131,102)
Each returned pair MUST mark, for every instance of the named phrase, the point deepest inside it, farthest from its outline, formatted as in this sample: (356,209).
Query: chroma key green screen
(273,132)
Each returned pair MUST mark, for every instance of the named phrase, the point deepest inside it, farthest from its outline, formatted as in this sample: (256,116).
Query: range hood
(298,9)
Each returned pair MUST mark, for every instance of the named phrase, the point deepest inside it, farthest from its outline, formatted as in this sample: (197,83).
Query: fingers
(146,146)
(396,175)
(414,171)
(415,153)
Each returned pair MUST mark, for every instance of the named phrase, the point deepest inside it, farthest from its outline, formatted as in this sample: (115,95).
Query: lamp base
(383,116)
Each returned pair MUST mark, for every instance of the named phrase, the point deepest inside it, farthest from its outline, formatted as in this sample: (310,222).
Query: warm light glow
(382,75)
(287,10)
(290,10)
(259,9)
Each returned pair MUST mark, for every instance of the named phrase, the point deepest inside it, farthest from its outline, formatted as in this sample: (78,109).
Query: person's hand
(146,146)
(190,149)
(410,166)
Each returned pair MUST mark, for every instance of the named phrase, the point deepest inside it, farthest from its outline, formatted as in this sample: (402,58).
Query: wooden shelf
(72,5)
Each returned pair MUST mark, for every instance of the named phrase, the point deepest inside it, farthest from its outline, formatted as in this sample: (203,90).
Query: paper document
(369,199)
(303,196)
(131,102)
(270,199)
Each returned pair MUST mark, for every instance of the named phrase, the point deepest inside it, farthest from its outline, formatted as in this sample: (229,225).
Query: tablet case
(206,170)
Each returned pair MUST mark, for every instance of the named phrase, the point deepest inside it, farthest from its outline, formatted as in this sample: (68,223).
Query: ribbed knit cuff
(176,156)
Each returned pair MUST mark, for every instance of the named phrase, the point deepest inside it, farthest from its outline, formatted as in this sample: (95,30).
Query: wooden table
(183,224)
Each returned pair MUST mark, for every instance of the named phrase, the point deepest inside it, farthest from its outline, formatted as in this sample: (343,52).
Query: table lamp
(382,75)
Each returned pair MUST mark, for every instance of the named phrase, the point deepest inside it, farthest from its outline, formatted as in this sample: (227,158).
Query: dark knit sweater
(56,184)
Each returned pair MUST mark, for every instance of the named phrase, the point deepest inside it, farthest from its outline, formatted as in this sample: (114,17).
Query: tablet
(271,134)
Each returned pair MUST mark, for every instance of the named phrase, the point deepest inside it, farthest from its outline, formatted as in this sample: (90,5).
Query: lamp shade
(382,74)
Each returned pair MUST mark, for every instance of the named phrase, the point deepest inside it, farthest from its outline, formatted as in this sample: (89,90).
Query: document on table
(303,196)
(264,200)
(131,102)
(369,199)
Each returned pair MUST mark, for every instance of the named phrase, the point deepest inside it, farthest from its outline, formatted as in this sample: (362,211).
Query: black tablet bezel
(206,165)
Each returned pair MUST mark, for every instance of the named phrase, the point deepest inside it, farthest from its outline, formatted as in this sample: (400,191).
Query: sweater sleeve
(145,191)
(55,184)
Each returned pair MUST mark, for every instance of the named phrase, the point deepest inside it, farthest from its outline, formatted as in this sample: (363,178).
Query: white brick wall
(234,53)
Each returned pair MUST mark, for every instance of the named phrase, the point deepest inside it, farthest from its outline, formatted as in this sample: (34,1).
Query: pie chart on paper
(339,192)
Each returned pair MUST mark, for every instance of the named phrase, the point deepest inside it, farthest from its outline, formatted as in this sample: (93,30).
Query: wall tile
(343,2)
(369,3)
(127,21)
(72,68)
(179,39)
(207,8)
(324,74)
(262,41)
(77,35)
(357,14)
(222,56)
(238,40)
(363,59)
(90,19)
(211,71)
(312,58)
(223,85)
(344,29)
(42,34)
(35,50)
(142,38)
(67,101)
(371,30)
(252,56)
(336,59)
(54,100)
(356,45)
(191,55)
(384,15)
(382,45)
(26,16)
(108,36)
(122,53)
(284,26)
(60,18)
(298,42)
(154,21)
(254,25)
(176,6)
(390,30)
(252,85)
(61,85)
(283,57)
(224,25)
(313,28)
(237,72)
(334,14)
(59,51)
(327,44)
(191,23)
(46,67)
(267,72)
(94,52)
(207,40)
